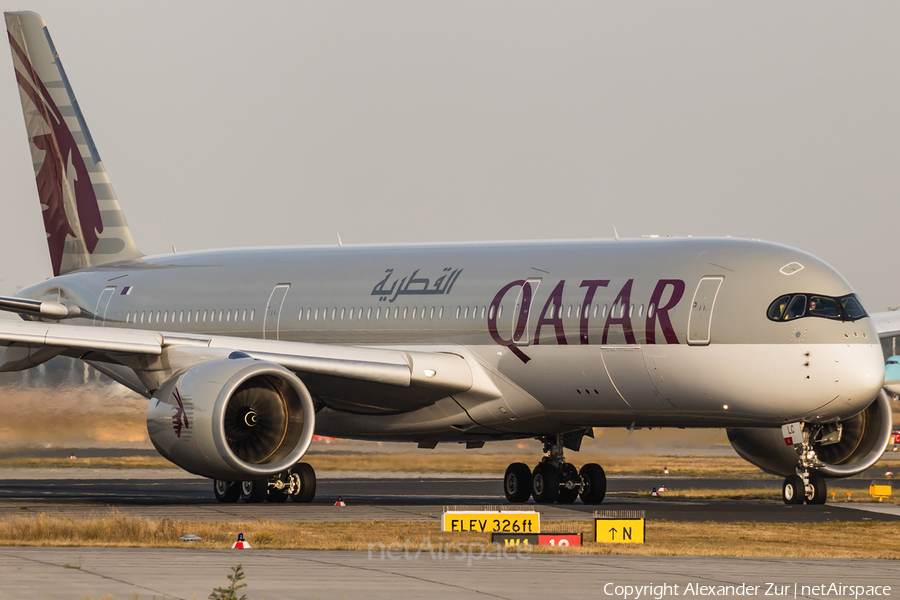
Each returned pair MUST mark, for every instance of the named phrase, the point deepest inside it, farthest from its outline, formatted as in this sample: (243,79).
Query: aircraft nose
(860,374)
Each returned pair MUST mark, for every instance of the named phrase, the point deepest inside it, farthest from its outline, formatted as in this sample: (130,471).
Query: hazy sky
(240,124)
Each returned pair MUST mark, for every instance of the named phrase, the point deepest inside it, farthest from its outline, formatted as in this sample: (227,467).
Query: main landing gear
(298,484)
(554,480)
(808,485)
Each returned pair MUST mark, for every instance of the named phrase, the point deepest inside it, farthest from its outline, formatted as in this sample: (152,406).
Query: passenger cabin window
(795,306)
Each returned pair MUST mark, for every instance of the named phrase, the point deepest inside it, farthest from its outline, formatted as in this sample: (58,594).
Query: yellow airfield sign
(506,521)
(619,531)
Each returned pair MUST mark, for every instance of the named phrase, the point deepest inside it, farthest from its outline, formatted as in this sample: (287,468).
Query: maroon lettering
(521,319)
(591,285)
(554,304)
(661,312)
(623,300)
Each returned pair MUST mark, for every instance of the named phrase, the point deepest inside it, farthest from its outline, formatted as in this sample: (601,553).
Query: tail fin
(84,223)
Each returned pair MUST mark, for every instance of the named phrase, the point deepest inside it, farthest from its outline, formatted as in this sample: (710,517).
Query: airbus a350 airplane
(244,353)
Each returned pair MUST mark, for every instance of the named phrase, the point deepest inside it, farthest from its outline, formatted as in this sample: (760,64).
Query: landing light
(725,406)
(430,372)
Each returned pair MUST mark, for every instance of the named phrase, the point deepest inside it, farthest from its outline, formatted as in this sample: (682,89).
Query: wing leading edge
(373,379)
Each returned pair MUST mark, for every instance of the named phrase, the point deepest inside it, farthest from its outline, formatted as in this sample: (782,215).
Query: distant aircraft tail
(84,223)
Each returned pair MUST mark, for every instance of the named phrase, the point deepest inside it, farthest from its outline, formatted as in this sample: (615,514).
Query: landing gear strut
(554,480)
(298,484)
(807,485)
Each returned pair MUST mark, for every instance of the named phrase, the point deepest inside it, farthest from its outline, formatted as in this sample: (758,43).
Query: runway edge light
(620,526)
(240,544)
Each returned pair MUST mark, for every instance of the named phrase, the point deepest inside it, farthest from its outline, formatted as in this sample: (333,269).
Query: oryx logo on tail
(63,181)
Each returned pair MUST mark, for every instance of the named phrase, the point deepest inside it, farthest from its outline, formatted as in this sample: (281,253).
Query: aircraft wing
(377,379)
(887,324)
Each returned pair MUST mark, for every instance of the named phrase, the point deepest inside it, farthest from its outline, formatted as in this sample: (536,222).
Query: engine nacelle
(864,438)
(233,419)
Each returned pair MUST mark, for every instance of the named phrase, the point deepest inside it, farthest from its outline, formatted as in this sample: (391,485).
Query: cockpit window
(776,309)
(823,306)
(852,307)
(796,309)
(794,306)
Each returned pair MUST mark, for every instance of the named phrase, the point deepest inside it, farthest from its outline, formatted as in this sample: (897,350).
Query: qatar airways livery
(244,354)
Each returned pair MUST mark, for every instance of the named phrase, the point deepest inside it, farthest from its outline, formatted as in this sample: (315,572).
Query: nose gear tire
(818,493)
(792,490)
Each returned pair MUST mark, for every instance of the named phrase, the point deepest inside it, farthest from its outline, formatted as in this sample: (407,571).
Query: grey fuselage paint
(574,333)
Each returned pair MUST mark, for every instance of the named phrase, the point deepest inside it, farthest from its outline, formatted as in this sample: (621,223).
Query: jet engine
(863,439)
(235,419)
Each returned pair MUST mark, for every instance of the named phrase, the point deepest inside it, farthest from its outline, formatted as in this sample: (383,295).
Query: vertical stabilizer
(84,223)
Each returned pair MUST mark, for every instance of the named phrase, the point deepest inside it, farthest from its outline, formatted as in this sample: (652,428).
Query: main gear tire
(307,483)
(227,492)
(254,492)
(517,483)
(594,480)
(545,484)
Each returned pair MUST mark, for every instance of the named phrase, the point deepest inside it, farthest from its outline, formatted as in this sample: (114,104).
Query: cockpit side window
(852,308)
(776,309)
(794,306)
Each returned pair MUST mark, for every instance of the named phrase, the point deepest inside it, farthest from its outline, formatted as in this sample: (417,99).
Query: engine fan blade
(256,420)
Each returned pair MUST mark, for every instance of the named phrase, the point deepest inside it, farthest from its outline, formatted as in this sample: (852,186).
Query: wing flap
(129,341)
(375,378)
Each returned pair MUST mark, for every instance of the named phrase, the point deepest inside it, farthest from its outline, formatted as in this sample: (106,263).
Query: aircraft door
(273,311)
(700,318)
(521,313)
(103,305)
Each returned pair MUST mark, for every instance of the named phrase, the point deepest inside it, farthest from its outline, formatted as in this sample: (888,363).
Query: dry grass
(840,494)
(460,463)
(833,540)
(115,462)
(91,415)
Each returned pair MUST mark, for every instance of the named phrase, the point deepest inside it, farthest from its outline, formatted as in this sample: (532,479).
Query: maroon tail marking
(60,147)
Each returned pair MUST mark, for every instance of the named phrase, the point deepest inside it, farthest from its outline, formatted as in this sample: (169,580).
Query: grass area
(459,462)
(833,540)
(112,462)
(840,494)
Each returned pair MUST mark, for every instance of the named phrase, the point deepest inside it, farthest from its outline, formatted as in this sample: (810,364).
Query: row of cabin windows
(462,312)
(189,316)
(314,314)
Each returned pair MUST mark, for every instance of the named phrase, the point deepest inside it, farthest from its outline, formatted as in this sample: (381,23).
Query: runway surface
(64,573)
(409,498)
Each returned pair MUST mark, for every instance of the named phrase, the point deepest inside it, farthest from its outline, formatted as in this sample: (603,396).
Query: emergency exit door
(700,318)
(273,311)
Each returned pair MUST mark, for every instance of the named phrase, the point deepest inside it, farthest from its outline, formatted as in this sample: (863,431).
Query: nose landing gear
(555,480)
(807,485)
